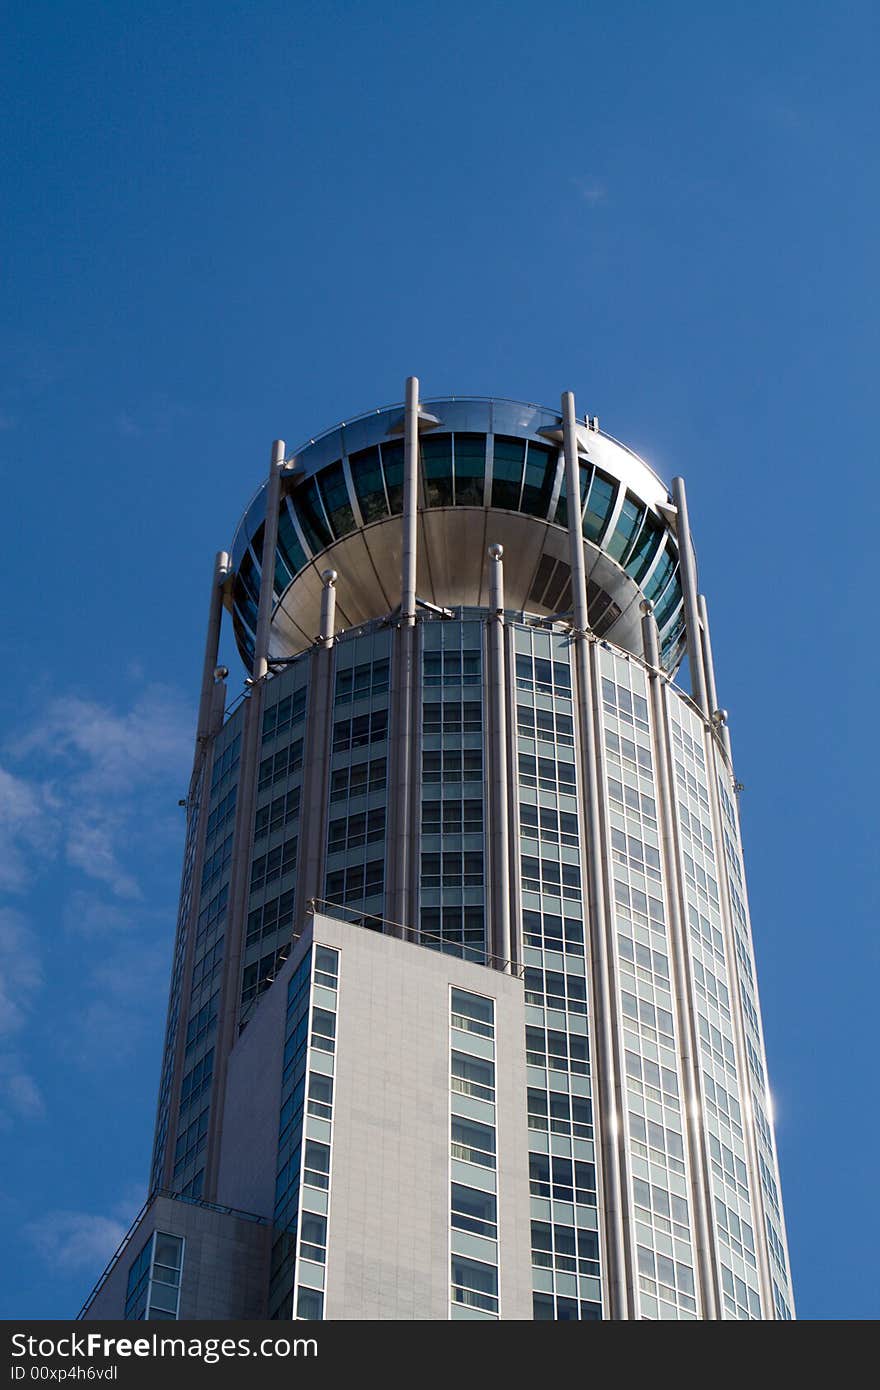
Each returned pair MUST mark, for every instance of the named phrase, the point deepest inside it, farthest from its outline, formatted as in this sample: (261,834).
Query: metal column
(619,1272)
(410,502)
(328,608)
(267,561)
(400,898)
(212,645)
(709,666)
(498,806)
(689,591)
(316,765)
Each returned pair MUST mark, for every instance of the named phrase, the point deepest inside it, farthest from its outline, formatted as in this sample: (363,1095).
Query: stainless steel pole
(709,665)
(501,936)
(328,608)
(267,562)
(212,645)
(688,571)
(410,502)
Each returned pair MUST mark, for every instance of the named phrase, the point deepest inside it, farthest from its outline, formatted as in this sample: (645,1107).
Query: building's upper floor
(491,471)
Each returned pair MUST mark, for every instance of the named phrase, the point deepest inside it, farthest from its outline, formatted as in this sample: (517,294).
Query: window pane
(473,1012)
(334,491)
(366,473)
(437,465)
(644,549)
(507,472)
(599,506)
(539,479)
(627,522)
(470,468)
(392,462)
(310,513)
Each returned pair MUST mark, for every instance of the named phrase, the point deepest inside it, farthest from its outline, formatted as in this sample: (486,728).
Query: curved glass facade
(500,460)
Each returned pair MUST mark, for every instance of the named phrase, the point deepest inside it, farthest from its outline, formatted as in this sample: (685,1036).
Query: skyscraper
(463,1018)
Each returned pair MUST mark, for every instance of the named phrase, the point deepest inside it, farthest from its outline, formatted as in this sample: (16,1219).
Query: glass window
(662,574)
(392,463)
(316,1171)
(470,469)
(539,478)
(627,525)
(326,966)
(474,1211)
(507,472)
(320,1095)
(366,474)
(334,492)
(473,1142)
(289,545)
(310,1305)
(138,1279)
(599,505)
(645,548)
(473,1076)
(561,517)
(474,1284)
(313,1237)
(310,513)
(473,1013)
(437,465)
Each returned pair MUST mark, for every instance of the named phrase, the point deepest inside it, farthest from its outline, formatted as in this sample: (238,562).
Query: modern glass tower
(463,1018)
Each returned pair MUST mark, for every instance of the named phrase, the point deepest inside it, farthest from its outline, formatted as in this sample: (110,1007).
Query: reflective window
(561,517)
(474,1284)
(538,482)
(644,549)
(599,505)
(470,469)
(310,512)
(437,466)
(473,1142)
(669,601)
(662,573)
(627,525)
(474,1211)
(289,545)
(473,1076)
(473,1013)
(334,492)
(366,473)
(249,577)
(392,463)
(507,472)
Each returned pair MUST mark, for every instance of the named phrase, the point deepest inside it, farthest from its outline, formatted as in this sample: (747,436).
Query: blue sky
(225,223)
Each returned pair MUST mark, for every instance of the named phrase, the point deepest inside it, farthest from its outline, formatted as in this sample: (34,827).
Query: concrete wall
(388,1253)
(225,1263)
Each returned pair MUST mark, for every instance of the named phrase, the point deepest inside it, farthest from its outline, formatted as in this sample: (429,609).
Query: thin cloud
(123,1004)
(20,1097)
(71,1241)
(104,772)
(21,973)
(92,917)
(26,809)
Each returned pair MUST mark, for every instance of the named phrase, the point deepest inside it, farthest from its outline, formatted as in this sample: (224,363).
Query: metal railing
(371,921)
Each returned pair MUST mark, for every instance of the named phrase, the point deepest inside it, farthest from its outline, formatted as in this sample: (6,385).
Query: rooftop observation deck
(491,471)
